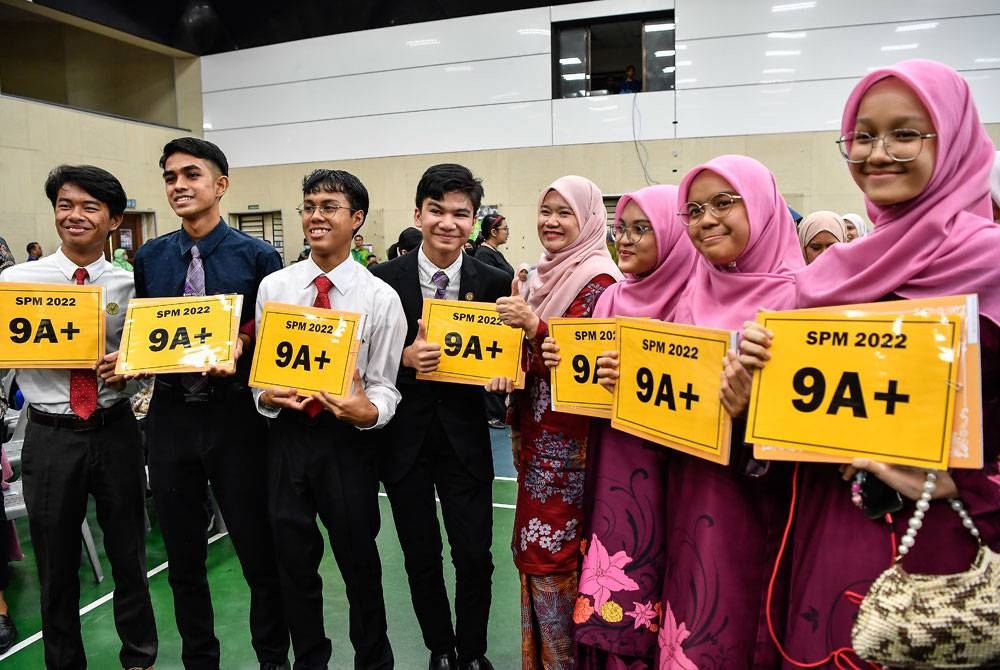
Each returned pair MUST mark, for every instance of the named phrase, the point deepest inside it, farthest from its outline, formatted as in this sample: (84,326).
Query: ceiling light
(987,60)
(423,43)
(577,76)
(916,26)
(792,6)
(779,70)
(683,63)
(664,54)
(658,27)
(899,47)
(533,31)
(669,69)
(206,126)
(782,52)
(570,61)
(689,80)
(787,36)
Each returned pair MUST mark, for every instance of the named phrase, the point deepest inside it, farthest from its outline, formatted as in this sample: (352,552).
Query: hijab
(943,241)
(761,276)
(818,222)
(656,293)
(120,258)
(559,277)
(860,224)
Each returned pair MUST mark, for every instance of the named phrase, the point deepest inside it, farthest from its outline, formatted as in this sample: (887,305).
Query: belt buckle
(85,425)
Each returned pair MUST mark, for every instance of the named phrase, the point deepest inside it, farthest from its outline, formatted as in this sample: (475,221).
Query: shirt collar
(343,276)
(68,267)
(206,244)
(430,268)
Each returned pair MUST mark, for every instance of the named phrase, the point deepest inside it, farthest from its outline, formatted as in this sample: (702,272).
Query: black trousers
(467,508)
(60,468)
(222,441)
(324,467)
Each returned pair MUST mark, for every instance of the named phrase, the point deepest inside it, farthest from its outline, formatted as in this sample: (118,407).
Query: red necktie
(82,383)
(323,286)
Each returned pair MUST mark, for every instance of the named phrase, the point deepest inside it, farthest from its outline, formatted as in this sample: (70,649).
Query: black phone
(877,497)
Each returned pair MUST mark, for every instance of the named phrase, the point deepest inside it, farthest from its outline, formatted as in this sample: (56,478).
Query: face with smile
(888,105)
(820,242)
(719,240)
(83,223)
(329,236)
(445,225)
(194,186)
(638,258)
(852,232)
(558,226)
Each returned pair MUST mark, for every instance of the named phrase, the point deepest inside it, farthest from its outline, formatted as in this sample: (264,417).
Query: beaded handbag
(933,621)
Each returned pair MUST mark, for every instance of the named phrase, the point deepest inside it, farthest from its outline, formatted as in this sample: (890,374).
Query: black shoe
(8,632)
(445,661)
(497,423)
(481,663)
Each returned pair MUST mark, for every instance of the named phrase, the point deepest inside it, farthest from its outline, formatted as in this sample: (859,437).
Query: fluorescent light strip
(664,54)
(574,77)
(783,52)
(423,43)
(683,63)
(987,60)
(792,6)
(669,69)
(900,47)
(909,28)
(787,36)
(778,70)
(570,61)
(658,27)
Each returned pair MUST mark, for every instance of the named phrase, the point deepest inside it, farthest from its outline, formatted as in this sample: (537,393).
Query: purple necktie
(440,280)
(194,282)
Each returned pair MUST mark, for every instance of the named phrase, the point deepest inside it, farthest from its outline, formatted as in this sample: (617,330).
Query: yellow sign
(475,345)
(668,386)
(51,325)
(878,386)
(306,348)
(180,334)
(574,381)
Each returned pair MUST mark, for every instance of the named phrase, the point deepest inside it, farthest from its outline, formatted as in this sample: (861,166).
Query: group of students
(631,555)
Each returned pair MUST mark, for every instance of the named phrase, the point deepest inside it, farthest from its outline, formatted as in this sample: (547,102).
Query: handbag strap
(922,505)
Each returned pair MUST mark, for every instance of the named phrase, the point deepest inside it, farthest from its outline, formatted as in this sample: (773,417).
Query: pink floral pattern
(644,614)
(603,575)
(671,636)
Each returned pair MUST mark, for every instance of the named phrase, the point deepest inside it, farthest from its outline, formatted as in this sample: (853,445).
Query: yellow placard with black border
(669,376)
(574,381)
(849,385)
(51,325)
(308,349)
(475,345)
(180,334)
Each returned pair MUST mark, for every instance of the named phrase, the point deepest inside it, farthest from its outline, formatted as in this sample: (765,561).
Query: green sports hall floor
(230,597)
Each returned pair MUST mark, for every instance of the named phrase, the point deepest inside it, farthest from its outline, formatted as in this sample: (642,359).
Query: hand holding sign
(550,352)
(284,398)
(422,356)
(356,409)
(607,370)
(736,381)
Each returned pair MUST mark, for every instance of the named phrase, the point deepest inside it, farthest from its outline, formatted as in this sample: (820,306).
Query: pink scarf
(943,242)
(656,293)
(560,277)
(720,297)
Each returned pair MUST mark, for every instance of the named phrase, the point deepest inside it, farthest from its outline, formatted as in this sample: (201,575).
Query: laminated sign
(52,325)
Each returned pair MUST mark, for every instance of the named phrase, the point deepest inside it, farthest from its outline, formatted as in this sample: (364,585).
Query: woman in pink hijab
(550,448)
(925,185)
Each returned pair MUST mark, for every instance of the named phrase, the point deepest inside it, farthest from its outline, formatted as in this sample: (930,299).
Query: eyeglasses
(901,145)
(326,211)
(632,233)
(720,205)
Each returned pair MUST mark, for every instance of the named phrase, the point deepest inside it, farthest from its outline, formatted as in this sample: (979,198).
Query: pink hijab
(656,293)
(559,277)
(943,242)
(725,297)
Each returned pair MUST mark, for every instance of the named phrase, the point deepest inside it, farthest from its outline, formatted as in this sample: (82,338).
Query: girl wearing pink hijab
(722,521)
(626,476)
(550,448)
(915,146)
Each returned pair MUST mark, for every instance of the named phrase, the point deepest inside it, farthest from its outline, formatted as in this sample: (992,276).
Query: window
(610,56)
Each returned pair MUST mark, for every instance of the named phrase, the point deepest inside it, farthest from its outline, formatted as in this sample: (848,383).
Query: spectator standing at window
(630,84)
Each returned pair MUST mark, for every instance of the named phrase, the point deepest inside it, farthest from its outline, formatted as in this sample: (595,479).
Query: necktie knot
(80,275)
(323,286)
(440,280)
(195,253)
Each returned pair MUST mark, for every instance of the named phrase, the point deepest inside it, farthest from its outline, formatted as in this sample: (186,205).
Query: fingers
(515,288)
(499,385)
(421,330)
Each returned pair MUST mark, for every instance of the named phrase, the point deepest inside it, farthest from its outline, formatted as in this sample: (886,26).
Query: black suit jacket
(459,406)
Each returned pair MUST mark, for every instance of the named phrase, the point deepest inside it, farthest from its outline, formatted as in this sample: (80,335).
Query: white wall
(484,82)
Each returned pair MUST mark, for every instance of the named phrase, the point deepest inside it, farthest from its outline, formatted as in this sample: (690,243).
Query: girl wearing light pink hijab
(550,448)
(927,195)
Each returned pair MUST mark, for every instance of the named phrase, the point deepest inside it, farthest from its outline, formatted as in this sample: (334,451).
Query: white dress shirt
(426,269)
(355,289)
(47,389)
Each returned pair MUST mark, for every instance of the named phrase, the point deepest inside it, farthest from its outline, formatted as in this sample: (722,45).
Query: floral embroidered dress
(549,514)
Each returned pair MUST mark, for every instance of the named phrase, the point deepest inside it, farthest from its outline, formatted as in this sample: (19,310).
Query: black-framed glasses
(719,205)
(901,145)
(327,211)
(631,232)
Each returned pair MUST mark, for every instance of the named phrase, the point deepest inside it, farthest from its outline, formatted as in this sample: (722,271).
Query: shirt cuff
(262,408)
(383,413)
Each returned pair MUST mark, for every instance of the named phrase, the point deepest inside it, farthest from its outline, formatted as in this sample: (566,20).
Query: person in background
(359,253)
(492,235)
(995,187)
(818,232)
(372,261)
(409,240)
(630,84)
(469,247)
(304,254)
(120,259)
(855,226)
(520,283)
(34,250)
(6,255)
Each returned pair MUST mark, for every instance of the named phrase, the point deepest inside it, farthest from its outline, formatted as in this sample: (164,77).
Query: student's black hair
(448,178)
(338,181)
(198,148)
(99,183)
(32,245)
(490,223)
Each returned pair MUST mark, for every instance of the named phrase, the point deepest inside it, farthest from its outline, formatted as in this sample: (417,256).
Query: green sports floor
(230,597)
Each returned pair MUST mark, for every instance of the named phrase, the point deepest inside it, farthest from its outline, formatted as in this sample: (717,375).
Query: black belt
(175,389)
(99,419)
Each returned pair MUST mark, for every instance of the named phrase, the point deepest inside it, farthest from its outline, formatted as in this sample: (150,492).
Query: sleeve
(385,348)
(264,409)
(139,275)
(6,255)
